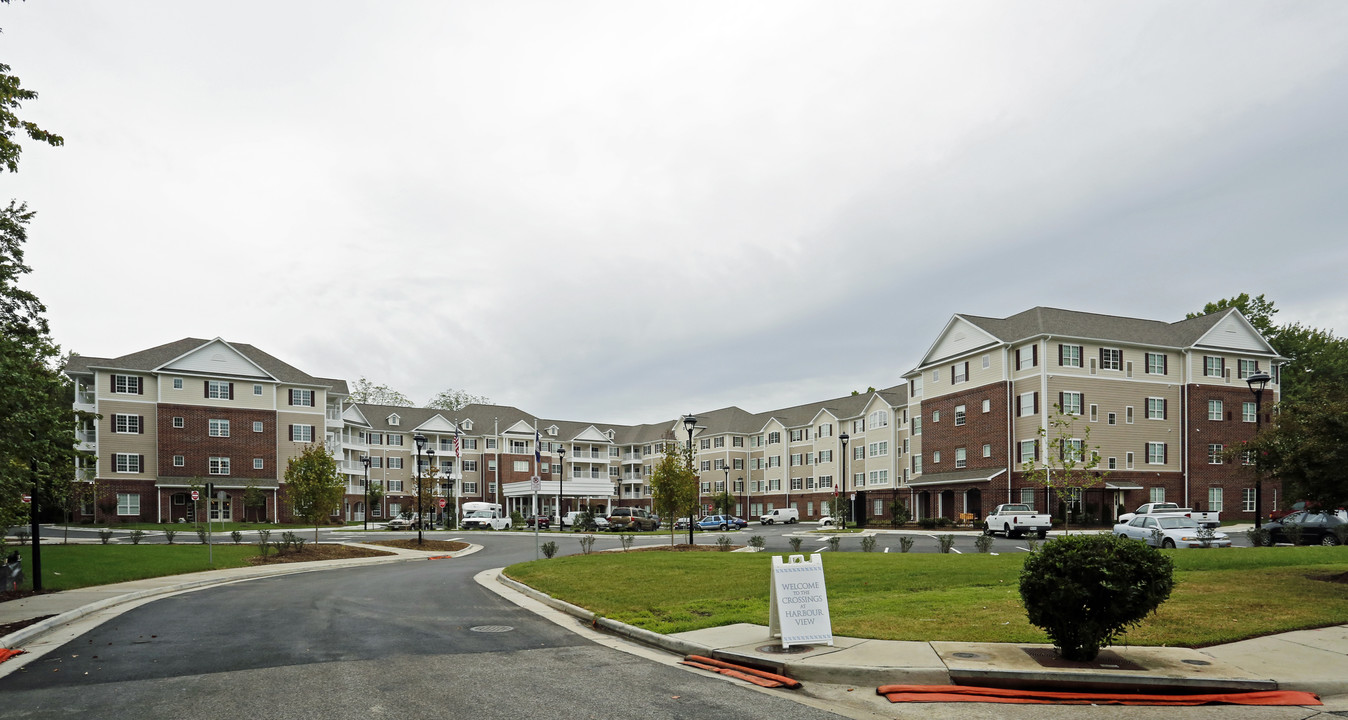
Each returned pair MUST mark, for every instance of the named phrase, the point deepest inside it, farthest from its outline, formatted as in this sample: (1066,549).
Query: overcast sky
(624,211)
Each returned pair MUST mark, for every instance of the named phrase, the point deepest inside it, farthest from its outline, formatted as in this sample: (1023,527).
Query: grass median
(1220,596)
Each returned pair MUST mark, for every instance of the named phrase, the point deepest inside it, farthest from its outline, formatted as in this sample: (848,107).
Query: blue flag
(538,447)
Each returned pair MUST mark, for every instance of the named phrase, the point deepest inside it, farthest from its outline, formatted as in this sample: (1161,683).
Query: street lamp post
(365,516)
(420,440)
(430,471)
(1258,381)
(561,477)
(842,477)
(744,488)
(725,490)
(689,422)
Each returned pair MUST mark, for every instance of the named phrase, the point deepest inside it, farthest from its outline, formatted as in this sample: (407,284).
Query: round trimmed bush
(1087,590)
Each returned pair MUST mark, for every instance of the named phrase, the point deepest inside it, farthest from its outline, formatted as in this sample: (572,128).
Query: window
(257,426)
(1128,459)
(859,452)
(375,438)
(959,414)
(1213,366)
(936,416)
(987,361)
(219,466)
(1156,494)
(1095,412)
(961,458)
(1156,364)
(1214,499)
(302,433)
(177,422)
(775,461)
(257,389)
(774,438)
(128,504)
(987,449)
(878,419)
(469,488)
(1029,404)
(936,457)
(917,464)
(1071,403)
(754,441)
(1027,451)
(879,449)
(915,387)
(1247,368)
(1247,412)
(959,372)
(1113,463)
(302,397)
(1027,357)
(825,430)
(1069,355)
(521,466)
(376,460)
(177,383)
(825,481)
(1111,359)
(1247,499)
(1128,414)
(706,464)
(1156,408)
(879,477)
(1073,450)
(716,442)
(936,375)
(737,464)
(917,424)
(126,423)
(987,406)
(1027,497)
(491,443)
(468,465)
(825,456)
(257,463)
(858,425)
(737,441)
(796,484)
(179,461)
(859,479)
(219,428)
(128,462)
(395,439)
(1215,453)
(219,390)
(1156,453)
(1112,418)
(1214,409)
(126,385)
(704,444)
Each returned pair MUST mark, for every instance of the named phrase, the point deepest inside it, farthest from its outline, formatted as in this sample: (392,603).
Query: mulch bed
(310,553)
(411,544)
(8,628)
(685,548)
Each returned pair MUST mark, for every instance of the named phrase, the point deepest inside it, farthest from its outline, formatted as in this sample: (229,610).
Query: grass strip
(66,567)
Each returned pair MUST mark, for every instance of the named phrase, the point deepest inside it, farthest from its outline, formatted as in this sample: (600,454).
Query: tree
(673,485)
(1257,310)
(366,392)
(1307,447)
(724,502)
(12,95)
(313,484)
(376,492)
(869,390)
(1067,462)
(452,400)
(253,497)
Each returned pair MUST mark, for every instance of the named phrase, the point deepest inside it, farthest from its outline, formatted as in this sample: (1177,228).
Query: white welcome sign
(799,613)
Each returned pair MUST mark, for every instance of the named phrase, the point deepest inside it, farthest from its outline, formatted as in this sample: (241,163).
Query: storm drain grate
(491,628)
(779,650)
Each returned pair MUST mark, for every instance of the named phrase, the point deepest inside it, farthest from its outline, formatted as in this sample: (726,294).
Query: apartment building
(1162,401)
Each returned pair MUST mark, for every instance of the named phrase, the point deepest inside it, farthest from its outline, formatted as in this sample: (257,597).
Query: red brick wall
(194,443)
(1230,431)
(979,428)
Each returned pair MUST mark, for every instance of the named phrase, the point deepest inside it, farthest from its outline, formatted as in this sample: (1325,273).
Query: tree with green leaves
(366,392)
(253,498)
(12,96)
(673,485)
(376,493)
(452,400)
(1307,447)
(1066,463)
(724,503)
(313,485)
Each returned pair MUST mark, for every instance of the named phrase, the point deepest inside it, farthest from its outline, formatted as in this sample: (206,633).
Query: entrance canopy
(961,476)
(570,488)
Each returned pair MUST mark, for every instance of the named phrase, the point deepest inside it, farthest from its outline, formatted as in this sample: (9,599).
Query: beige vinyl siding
(193,392)
(110,442)
(1115,395)
(103,387)
(285,448)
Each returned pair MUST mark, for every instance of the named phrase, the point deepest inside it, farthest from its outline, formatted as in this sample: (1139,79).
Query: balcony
(84,400)
(333,417)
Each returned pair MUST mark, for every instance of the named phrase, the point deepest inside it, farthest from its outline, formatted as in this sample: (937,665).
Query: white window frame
(959,415)
(217,427)
(217,389)
(1156,450)
(1214,410)
(1111,359)
(127,463)
(1156,408)
(1215,451)
(126,424)
(128,504)
(1215,497)
(259,463)
(218,466)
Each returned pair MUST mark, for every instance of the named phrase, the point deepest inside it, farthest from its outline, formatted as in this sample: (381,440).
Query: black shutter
(140,386)
(1036,402)
(1102,358)
(1060,402)
(113,386)
(141,460)
(1165,364)
(1059,354)
(231,391)
(140,423)
(1034,355)
(966,369)
(205,388)
(1165,409)
(1165,452)
(292,432)
(1018,357)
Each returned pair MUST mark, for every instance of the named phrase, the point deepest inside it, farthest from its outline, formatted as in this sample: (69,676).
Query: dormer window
(552,430)
(466,424)
(393,420)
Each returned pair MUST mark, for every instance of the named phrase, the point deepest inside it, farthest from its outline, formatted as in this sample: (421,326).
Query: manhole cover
(1195,662)
(779,650)
(491,628)
(966,655)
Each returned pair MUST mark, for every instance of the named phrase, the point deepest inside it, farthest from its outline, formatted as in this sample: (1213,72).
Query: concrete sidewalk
(1308,660)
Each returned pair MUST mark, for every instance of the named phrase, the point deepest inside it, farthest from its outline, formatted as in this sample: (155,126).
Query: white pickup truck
(1204,519)
(1016,519)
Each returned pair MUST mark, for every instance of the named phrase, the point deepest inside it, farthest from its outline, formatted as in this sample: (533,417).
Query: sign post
(535,483)
(799,606)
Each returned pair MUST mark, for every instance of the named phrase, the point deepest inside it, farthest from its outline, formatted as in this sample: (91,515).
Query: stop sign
(196,495)
(442,502)
(28,498)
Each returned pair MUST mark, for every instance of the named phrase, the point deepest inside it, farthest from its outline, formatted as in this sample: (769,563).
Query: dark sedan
(542,521)
(1309,528)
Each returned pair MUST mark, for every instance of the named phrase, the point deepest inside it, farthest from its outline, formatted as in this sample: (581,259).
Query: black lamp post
(842,477)
(561,476)
(689,422)
(430,471)
(725,490)
(1258,381)
(420,440)
(745,489)
(365,460)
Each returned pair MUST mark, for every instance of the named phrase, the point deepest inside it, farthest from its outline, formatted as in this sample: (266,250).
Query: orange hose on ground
(784,680)
(964,693)
(6,653)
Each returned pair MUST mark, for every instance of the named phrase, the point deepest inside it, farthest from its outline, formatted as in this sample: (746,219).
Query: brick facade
(195,444)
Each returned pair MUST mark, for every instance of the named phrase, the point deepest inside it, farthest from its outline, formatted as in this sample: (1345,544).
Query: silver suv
(632,519)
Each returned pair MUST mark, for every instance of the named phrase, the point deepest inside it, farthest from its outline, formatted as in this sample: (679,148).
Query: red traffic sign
(28,498)
(442,502)
(196,495)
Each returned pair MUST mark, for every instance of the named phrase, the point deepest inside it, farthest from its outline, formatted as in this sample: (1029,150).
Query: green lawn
(65,567)
(190,528)
(1220,595)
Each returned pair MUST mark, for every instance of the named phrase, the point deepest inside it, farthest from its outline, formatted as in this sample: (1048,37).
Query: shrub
(201,535)
(945,542)
(905,544)
(795,544)
(516,519)
(104,535)
(549,549)
(1087,590)
(983,543)
(1031,544)
(586,544)
(23,533)
(927,523)
(868,543)
(723,543)
(236,536)
(627,539)
(757,542)
(1293,532)
(943,522)
(262,543)
(1341,532)
(1258,537)
(170,533)
(137,536)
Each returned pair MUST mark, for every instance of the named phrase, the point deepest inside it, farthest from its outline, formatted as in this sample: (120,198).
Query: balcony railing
(84,397)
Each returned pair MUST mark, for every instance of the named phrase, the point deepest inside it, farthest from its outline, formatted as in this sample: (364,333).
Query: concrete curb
(37,630)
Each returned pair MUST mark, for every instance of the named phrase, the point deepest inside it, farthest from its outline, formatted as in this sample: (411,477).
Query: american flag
(456,444)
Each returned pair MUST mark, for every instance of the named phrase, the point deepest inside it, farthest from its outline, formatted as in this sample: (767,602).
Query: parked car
(542,521)
(632,519)
(1316,528)
(681,523)
(1204,519)
(1016,519)
(1170,531)
(600,522)
(717,522)
(739,522)
(587,521)
(786,516)
(408,521)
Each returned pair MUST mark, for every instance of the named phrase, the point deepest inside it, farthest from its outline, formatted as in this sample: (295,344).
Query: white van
(484,516)
(786,516)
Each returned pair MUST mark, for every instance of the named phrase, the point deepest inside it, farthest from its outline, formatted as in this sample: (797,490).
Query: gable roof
(151,359)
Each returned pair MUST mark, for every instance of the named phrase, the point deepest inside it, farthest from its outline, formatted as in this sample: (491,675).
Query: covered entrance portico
(952,493)
(568,494)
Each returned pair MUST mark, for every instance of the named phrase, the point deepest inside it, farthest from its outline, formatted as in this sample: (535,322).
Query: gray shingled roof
(148,360)
(1072,323)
